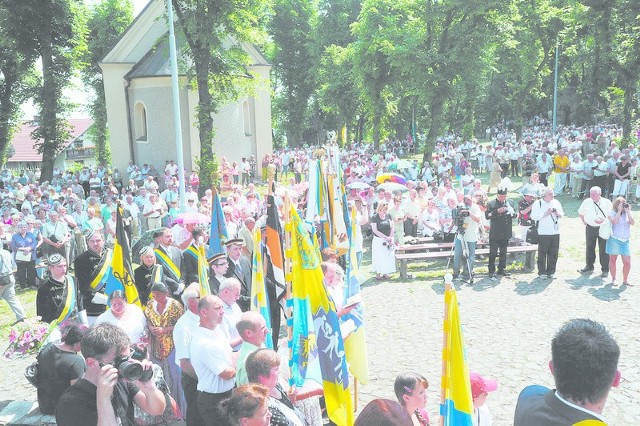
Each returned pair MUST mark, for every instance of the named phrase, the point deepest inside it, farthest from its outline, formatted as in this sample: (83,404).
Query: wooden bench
(420,252)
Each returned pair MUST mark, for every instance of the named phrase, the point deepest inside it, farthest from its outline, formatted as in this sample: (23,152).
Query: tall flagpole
(177,123)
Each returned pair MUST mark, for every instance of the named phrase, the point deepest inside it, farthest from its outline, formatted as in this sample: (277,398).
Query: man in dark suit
(190,256)
(501,214)
(170,258)
(584,365)
(240,268)
(218,267)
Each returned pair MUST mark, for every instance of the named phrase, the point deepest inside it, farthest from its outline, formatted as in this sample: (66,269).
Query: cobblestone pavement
(508,326)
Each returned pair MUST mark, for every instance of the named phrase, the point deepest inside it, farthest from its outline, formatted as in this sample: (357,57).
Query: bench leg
(403,269)
(531,260)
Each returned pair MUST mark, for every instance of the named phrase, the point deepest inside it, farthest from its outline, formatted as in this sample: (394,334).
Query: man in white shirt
(544,165)
(547,212)
(593,212)
(466,239)
(229,293)
(211,357)
(182,336)
(154,211)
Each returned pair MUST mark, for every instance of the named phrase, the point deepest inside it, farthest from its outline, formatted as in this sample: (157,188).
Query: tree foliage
(107,22)
(214,31)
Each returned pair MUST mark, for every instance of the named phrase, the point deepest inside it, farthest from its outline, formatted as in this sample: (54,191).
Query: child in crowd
(480,388)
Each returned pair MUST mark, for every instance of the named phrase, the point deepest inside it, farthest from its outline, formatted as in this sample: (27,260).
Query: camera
(554,210)
(133,370)
(625,205)
(459,214)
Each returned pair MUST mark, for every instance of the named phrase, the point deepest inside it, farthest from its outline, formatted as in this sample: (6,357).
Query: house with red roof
(23,153)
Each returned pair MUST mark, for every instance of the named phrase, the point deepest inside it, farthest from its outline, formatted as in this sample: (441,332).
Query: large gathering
(212,354)
(332,212)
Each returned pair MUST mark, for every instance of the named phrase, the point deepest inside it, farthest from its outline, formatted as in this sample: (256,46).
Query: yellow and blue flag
(218,235)
(259,297)
(355,344)
(121,273)
(314,311)
(456,387)
(203,272)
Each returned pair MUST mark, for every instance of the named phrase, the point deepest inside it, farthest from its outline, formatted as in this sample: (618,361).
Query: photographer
(618,243)
(501,213)
(547,212)
(467,217)
(104,396)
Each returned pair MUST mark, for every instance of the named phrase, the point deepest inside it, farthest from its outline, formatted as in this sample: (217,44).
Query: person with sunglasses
(101,395)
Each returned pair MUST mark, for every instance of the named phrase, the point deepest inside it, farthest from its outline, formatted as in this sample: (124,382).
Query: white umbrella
(392,186)
(358,185)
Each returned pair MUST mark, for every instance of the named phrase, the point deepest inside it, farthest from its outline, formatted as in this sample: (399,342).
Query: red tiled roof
(24,144)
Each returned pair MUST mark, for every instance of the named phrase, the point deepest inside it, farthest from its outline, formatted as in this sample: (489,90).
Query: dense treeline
(369,69)
(370,66)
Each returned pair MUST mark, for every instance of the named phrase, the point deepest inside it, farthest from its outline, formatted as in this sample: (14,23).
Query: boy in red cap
(480,388)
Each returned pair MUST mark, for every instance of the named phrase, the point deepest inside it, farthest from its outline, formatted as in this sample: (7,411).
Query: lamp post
(555,90)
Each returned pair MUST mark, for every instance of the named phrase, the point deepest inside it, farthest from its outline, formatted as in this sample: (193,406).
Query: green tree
(293,64)
(107,22)
(17,75)
(57,28)
(214,31)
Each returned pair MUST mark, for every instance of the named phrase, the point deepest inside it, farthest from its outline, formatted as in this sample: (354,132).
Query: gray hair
(229,283)
(189,294)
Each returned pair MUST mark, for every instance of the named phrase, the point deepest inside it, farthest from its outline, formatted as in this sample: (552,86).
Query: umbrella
(192,217)
(393,186)
(145,239)
(391,177)
(400,164)
(358,185)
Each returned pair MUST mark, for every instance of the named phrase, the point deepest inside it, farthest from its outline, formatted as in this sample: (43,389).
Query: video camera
(459,214)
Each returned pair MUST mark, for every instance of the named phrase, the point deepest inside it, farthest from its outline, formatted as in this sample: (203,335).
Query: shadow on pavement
(585,281)
(481,284)
(607,293)
(535,286)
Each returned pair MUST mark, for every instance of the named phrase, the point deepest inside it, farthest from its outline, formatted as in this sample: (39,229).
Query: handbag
(31,373)
(532,234)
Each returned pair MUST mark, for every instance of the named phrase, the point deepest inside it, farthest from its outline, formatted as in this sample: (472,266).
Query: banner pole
(448,278)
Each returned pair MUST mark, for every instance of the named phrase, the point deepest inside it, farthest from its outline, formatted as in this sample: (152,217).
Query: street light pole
(555,89)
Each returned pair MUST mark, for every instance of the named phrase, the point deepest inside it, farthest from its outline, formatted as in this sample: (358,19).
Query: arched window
(246,118)
(140,120)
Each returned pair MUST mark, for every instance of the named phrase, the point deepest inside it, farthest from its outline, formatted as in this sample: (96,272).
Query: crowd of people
(206,349)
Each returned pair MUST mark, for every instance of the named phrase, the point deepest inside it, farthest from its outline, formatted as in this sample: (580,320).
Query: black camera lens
(625,205)
(132,370)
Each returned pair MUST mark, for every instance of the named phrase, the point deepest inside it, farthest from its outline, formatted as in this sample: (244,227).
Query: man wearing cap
(91,269)
(240,268)
(501,213)
(170,258)
(182,336)
(584,365)
(58,298)
(219,266)
(480,388)
(211,357)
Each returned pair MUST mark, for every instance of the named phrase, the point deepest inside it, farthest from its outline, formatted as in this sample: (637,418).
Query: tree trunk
(627,108)
(205,122)
(6,113)
(437,106)
(103,155)
(48,109)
